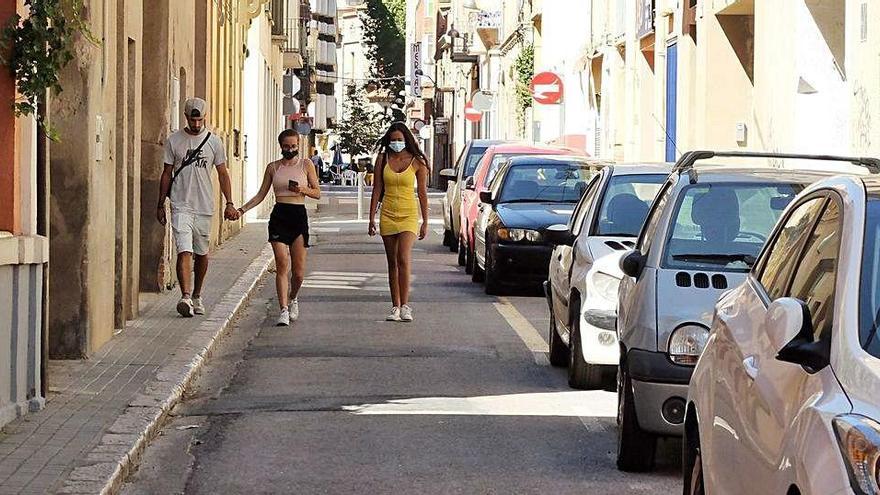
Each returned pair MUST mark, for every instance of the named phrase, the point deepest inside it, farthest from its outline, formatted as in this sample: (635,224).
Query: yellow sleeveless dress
(400,210)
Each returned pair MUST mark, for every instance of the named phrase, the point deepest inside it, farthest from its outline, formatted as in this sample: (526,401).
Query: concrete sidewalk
(101,412)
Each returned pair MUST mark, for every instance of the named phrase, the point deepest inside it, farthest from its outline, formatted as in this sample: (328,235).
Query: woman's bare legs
(282,272)
(298,255)
(391,246)
(404,263)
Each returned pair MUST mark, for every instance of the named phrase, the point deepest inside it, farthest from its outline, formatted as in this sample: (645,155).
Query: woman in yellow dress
(400,165)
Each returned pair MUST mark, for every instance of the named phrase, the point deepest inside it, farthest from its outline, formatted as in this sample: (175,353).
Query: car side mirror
(632,263)
(789,327)
(559,235)
(449,173)
(486,196)
(469,183)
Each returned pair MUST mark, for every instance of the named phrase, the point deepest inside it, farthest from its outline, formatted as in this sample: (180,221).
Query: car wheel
(462,254)
(477,273)
(493,287)
(447,238)
(470,261)
(692,465)
(581,374)
(558,350)
(635,447)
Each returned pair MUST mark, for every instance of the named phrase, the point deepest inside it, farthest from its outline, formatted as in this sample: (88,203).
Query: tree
(384,36)
(359,127)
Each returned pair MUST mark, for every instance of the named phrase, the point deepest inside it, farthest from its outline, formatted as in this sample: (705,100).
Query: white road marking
(325,230)
(591,404)
(526,331)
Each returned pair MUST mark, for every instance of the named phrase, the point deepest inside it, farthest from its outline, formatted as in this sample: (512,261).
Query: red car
(470,195)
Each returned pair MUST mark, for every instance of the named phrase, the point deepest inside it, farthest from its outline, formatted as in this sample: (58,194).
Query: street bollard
(360,196)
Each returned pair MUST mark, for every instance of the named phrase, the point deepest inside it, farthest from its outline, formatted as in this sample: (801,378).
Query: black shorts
(287,222)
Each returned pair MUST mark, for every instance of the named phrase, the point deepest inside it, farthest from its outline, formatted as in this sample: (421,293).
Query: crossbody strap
(190,158)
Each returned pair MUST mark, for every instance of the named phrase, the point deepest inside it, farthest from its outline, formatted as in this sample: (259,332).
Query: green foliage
(359,127)
(37,47)
(385,39)
(524,70)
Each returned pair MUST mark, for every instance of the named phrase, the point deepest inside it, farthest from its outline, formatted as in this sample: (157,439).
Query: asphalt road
(460,401)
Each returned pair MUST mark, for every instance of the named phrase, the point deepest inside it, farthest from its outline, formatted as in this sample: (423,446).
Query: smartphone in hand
(292,184)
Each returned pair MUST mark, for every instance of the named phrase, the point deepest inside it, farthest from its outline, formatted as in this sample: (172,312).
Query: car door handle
(750,366)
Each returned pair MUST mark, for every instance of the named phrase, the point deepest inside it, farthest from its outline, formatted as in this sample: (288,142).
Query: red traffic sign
(471,113)
(546,88)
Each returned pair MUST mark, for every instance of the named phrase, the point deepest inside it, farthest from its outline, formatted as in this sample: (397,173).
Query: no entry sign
(546,88)
(472,113)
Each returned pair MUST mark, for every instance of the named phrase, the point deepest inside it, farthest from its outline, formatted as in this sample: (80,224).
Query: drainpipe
(43,230)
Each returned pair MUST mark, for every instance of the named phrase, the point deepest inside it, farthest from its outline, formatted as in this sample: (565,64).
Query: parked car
(464,168)
(788,386)
(528,194)
(700,238)
(479,182)
(584,275)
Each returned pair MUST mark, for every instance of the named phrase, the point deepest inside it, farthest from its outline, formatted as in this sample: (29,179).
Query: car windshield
(626,203)
(475,154)
(722,227)
(869,290)
(495,166)
(546,182)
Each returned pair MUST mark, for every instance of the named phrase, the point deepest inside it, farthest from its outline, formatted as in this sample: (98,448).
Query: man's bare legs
(201,262)
(184,273)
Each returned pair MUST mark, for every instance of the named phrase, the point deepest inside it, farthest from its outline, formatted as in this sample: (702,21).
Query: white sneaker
(185,307)
(283,318)
(394,315)
(198,307)
(293,309)
(406,313)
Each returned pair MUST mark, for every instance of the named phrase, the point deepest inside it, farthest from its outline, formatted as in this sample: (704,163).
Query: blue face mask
(397,146)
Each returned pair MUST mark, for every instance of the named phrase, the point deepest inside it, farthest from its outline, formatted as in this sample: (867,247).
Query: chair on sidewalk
(349,178)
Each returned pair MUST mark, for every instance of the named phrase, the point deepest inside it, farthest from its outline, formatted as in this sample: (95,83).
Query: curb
(123,443)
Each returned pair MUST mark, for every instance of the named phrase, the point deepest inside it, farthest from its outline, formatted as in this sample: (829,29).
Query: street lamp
(421,73)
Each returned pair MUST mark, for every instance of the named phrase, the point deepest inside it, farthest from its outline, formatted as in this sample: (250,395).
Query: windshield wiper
(722,259)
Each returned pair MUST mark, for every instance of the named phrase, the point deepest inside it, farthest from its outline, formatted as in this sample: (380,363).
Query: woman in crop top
(400,165)
(292,178)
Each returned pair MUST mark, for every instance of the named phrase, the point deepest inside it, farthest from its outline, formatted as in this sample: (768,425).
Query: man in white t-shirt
(190,156)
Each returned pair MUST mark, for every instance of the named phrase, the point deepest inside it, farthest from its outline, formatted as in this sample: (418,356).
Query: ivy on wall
(36,47)
(524,70)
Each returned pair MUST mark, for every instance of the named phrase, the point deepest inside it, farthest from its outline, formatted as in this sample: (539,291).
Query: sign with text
(416,64)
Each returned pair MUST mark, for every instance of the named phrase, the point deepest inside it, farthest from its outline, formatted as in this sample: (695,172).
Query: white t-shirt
(193,190)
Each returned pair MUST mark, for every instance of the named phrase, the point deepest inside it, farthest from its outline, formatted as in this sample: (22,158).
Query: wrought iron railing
(296,30)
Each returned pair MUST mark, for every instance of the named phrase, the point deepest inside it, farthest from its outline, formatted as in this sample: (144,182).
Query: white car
(786,395)
(584,274)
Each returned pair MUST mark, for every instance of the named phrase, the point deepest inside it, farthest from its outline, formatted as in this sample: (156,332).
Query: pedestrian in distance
(400,166)
(190,156)
(292,178)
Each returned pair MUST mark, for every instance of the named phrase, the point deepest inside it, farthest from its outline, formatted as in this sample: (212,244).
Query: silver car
(701,238)
(584,274)
(464,167)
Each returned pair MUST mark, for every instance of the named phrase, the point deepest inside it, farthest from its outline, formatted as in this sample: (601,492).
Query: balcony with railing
(296,32)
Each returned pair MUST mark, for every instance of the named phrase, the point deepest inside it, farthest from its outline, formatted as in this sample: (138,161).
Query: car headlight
(687,343)
(518,235)
(605,285)
(859,440)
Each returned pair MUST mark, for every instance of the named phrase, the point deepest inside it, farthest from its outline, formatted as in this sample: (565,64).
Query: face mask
(397,146)
(288,155)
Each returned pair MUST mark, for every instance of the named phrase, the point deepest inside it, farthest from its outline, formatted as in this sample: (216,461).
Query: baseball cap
(195,107)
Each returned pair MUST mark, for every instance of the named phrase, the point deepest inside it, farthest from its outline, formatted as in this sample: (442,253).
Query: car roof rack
(687,160)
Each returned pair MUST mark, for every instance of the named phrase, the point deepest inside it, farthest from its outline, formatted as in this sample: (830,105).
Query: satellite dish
(482,101)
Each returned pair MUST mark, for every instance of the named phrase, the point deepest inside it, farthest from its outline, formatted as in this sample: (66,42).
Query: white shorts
(192,233)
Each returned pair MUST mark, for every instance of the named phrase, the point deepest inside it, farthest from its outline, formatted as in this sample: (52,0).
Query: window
(723,226)
(652,222)
(816,274)
(869,289)
(583,208)
(495,165)
(473,159)
(547,182)
(779,259)
(626,203)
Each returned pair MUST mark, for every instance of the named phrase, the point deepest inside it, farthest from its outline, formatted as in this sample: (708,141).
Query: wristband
(230,203)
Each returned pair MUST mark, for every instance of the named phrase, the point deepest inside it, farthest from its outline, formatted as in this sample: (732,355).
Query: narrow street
(462,400)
